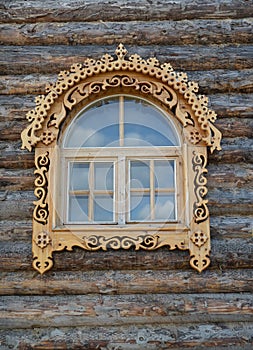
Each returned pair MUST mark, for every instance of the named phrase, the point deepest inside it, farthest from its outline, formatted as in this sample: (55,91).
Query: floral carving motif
(40,212)
(200,208)
(166,85)
(199,238)
(42,239)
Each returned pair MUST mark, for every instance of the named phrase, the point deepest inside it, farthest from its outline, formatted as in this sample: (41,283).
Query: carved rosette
(199,238)
(42,239)
(162,82)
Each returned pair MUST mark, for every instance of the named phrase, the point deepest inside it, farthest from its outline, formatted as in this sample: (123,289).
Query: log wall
(126,299)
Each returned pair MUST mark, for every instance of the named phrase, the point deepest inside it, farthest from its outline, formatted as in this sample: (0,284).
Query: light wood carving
(147,79)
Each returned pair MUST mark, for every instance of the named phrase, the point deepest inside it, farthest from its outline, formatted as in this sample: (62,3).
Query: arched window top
(121,121)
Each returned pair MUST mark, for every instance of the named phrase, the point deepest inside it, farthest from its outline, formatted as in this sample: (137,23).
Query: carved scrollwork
(172,88)
(200,209)
(199,261)
(42,265)
(40,212)
(148,242)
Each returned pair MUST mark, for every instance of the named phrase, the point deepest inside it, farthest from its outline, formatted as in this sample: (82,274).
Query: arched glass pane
(97,126)
(121,122)
(147,126)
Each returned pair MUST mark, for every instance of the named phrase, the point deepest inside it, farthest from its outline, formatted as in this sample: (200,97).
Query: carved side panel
(40,213)
(199,237)
(42,242)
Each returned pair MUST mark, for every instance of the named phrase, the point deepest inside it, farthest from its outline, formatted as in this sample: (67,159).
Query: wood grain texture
(52,59)
(129,300)
(227,253)
(80,310)
(129,33)
(120,10)
(214,336)
(111,282)
(210,82)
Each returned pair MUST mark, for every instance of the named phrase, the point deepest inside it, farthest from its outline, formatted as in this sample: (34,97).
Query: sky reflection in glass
(99,125)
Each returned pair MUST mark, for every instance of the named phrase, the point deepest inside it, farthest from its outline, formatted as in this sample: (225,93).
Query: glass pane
(103,176)
(164,174)
(78,208)
(145,125)
(139,174)
(103,208)
(79,176)
(165,207)
(139,207)
(97,126)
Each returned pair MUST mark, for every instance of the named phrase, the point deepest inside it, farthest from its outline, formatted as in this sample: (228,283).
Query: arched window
(120,159)
(120,156)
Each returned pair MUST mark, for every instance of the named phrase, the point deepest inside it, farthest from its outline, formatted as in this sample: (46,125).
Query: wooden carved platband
(162,82)
(150,80)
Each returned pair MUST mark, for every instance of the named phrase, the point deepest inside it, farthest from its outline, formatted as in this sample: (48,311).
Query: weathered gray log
(129,33)
(230,201)
(16,231)
(52,59)
(213,336)
(119,10)
(31,312)
(222,175)
(229,127)
(126,282)
(226,253)
(209,81)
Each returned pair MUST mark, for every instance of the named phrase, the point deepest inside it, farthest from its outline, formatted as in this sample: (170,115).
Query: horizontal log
(18,205)
(229,127)
(16,231)
(15,107)
(30,312)
(37,11)
(229,227)
(52,59)
(226,253)
(219,175)
(129,33)
(229,176)
(12,157)
(125,282)
(215,81)
(18,180)
(135,337)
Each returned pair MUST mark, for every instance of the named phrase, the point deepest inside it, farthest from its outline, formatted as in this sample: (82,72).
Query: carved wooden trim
(41,212)
(172,88)
(145,78)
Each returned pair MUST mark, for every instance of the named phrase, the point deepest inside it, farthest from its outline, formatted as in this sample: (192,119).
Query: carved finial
(121,51)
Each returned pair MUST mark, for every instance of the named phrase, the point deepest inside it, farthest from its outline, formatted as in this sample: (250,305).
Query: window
(120,157)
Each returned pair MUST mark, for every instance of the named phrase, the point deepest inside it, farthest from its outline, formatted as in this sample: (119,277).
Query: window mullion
(91,194)
(152,189)
(121,121)
(121,189)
